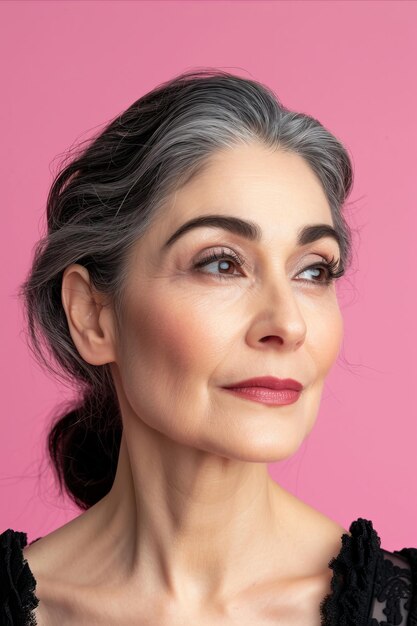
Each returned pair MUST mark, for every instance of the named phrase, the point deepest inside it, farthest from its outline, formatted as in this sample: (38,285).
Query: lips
(268,382)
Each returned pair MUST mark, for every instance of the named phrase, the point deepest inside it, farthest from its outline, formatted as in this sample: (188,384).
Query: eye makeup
(331,267)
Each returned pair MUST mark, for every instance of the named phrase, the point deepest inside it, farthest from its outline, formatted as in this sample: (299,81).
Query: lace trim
(411,555)
(348,602)
(392,584)
(17,583)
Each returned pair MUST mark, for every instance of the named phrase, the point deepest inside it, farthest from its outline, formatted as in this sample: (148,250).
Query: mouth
(265,395)
(267,390)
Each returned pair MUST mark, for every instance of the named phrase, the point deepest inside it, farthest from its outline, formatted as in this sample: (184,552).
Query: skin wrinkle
(193,515)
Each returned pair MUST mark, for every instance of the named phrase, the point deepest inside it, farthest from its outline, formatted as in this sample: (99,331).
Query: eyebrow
(252,231)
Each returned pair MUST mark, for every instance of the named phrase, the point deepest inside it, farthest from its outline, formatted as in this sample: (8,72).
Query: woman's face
(187,331)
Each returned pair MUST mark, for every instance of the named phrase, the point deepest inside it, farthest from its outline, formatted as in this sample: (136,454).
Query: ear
(90,320)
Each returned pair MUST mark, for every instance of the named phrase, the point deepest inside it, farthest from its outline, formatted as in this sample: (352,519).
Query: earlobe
(90,322)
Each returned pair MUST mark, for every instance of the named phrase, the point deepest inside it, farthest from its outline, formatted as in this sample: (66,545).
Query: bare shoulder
(295,598)
(57,562)
(293,591)
(314,537)
(59,556)
(41,558)
(323,542)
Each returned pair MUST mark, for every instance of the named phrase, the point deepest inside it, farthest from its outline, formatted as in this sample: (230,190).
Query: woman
(193,245)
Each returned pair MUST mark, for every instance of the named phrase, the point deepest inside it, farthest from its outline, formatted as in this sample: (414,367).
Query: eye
(325,273)
(331,270)
(227,260)
(317,269)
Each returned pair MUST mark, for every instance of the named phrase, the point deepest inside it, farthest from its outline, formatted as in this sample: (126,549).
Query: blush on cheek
(163,342)
(325,341)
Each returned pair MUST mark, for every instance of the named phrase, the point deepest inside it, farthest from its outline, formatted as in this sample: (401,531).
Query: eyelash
(333,267)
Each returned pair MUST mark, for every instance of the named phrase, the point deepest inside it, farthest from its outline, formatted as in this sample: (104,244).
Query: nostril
(271,337)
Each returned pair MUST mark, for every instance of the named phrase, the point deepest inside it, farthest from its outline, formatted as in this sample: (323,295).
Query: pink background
(69,67)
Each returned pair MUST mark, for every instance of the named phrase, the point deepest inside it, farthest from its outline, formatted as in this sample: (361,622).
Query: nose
(278,320)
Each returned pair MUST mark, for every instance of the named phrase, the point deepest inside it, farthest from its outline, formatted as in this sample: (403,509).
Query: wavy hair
(107,196)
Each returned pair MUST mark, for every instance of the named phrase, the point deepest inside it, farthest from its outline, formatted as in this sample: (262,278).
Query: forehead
(275,188)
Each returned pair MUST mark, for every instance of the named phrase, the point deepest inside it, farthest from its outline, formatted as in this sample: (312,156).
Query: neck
(190,524)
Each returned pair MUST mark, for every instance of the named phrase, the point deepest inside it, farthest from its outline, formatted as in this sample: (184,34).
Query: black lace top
(369,587)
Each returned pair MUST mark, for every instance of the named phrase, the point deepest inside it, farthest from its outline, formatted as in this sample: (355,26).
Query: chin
(256,445)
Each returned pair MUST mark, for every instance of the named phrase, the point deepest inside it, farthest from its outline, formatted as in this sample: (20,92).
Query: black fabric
(370,586)
(17,583)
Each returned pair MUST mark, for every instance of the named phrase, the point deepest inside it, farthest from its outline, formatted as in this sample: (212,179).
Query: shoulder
(17,583)
(379,586)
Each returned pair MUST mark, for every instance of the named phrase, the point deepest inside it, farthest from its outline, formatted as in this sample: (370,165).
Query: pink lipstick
(268,390)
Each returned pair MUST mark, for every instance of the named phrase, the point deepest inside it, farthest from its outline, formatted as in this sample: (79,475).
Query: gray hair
(108,196)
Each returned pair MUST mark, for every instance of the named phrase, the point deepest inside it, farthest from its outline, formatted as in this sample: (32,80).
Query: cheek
(170,340)
(168,351)
(325,332)
(324,341)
